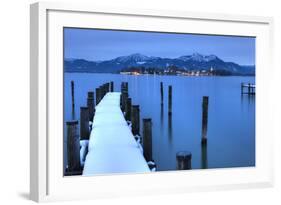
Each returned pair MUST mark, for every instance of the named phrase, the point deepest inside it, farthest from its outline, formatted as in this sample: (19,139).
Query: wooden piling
(72,96)
(84,123)
(161,92)
(204,156)
(170,100)
(91,105)
(111,86)
(98,95)
(184,160)
(127,86)
(102,91)
(204,119)
(124,86)
(124,100)
(135,115)
(73,146)
(147,139)
(107,85)
(128,109)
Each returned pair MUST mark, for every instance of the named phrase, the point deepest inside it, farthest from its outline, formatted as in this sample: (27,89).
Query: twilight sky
(92,44)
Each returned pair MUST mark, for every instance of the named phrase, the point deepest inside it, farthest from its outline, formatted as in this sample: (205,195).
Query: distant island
(136,64)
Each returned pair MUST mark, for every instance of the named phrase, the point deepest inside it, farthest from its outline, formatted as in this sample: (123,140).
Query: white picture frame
(46,178)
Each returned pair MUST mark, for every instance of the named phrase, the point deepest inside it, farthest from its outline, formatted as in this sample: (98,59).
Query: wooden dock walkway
(112,147)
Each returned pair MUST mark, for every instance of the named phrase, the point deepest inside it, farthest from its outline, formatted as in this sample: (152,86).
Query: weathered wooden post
(98,95)
(147,139)
(107,87)
(111,86)
(249,88)
(135,119)
(84,123)
(72,95)
(128,109)
(91,105)
(161,92)
(204,119)
(73,146)
(127,86)
(124,86)
(102,91)
(184,160)
(124,100)
(170,101)
(204,156)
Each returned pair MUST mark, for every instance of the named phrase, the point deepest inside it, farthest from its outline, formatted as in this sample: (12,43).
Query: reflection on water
(73,114)
(162,115)
(170,127)
(231,116)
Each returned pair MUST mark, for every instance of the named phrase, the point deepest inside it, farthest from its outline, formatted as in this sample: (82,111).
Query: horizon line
(77,58)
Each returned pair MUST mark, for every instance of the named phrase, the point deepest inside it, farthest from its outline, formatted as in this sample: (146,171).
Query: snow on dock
(112,147)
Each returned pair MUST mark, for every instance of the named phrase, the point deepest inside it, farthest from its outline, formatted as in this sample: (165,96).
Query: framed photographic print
(127,102)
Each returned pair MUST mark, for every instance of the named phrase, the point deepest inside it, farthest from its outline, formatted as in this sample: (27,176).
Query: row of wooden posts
(132,114)
(86,115)
(184,157)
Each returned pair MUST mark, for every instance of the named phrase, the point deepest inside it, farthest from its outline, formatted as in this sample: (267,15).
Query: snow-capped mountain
(198,57)
(136,57)
(194,61)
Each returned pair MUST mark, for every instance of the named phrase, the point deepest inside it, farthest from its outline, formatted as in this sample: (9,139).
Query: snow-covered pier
(112,147)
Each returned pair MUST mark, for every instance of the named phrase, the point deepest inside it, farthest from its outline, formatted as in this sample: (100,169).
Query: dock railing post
(127,86)
(72,95)
(128,109)
(102,91)
(84,123)
(204,156)
(124,100)
(98,95)
(107,87)
(73,146)
(204,119)
(242,88)
(170,100)
(111,86)
(135,119)
(147,139)
(184,160)
(161,92)
(249,89)
(91,105)
(124,86)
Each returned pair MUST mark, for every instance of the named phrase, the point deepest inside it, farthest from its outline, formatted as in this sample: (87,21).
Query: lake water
(231,117)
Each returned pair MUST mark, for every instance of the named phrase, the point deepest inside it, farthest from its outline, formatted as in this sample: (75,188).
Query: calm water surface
(231,122)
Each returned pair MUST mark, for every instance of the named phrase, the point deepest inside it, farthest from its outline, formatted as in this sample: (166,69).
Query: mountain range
(193,62)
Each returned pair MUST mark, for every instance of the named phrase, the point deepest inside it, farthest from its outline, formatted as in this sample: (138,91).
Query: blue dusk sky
(93,44)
